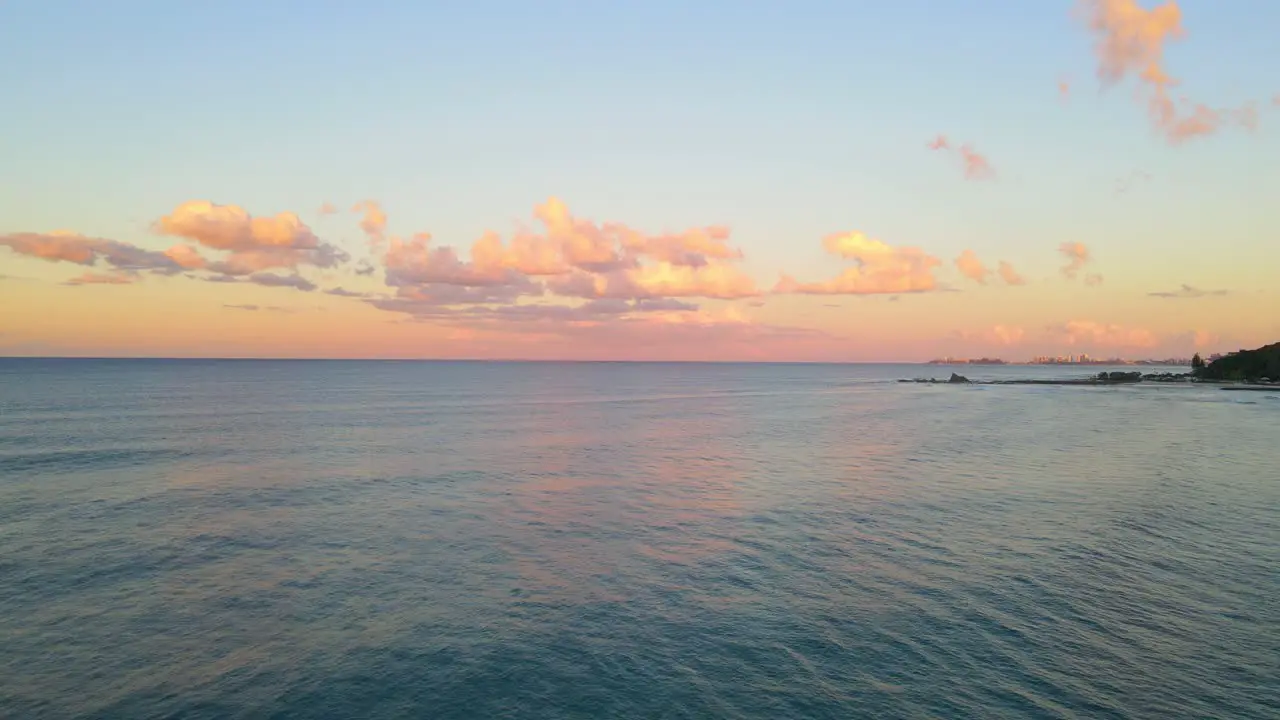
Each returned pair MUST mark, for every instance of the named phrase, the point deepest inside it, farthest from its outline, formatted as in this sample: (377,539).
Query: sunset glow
(1111,194)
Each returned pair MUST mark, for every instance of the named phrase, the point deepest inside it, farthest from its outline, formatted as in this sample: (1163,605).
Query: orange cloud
(186,257)
(658,280)
(1064,89)
(571,258)
(62,246)
(253,244)
(374,222)
(1077,255)
(527,254)
(583,244)
(111,278)
(1131,41)
(692,247)
(976,166)
(880,269)
(1092,334)
(971,267)
(1009,275)
(327,208)
(415,262)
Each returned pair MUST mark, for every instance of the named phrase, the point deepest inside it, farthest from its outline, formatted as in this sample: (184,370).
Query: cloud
(880,269)
(656,281)
(327,208)
(1077,255)
(437,299)
(293,281)
(583,244)
(1004,335)
(1093,279)
(414,262)
(1064,90)
(571,257)
(111,278)
(1132,180)
(186,257)
(1087,333)
(971,267)
(263,308)
(374,221)
(976,166)
(1187,291)
(340,292)
(252,244)
(1130,41)
(1009,275)
(61,246)
(692,247)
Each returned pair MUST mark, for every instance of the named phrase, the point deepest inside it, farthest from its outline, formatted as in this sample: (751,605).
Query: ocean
(328,539)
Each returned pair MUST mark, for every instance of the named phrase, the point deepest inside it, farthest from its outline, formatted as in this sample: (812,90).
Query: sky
(667,180)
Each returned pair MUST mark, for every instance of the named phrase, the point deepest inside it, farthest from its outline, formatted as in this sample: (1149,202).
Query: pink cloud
(971,267)
(62,246)
(1002,335)
(253,244)
(692,247)
(1130,41)
(110,278)
(583,244)
(327,208)
(1009,275)
(571,258)
(186,257)
(1089,334)
(374,221)
(415,262)
(880,269)
(976,165)
(1077,255)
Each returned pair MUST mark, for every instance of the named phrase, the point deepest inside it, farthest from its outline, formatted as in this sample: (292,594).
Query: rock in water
(958,378)
(1124,377)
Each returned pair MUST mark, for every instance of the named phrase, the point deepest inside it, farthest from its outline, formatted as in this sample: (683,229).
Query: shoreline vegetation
(1257,369)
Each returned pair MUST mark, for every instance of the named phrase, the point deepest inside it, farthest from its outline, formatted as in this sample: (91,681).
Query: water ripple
(494,540)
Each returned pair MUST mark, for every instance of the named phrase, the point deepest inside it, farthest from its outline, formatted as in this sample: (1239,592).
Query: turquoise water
(448,540)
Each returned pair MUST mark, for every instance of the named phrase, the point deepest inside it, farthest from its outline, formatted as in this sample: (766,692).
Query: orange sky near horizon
(980,253)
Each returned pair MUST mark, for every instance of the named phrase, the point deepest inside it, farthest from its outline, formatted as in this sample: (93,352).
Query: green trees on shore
(1262,363)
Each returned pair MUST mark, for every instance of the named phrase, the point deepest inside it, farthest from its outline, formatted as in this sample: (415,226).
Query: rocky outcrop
(958,379)
(1167,377)
(1117,376)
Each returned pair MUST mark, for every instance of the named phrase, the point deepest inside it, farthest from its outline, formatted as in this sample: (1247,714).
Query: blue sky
(785,121)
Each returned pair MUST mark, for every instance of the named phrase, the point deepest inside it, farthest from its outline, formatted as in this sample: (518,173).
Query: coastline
(1106,379)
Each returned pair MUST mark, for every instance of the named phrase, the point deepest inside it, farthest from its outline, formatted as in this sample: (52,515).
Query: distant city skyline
(655,181)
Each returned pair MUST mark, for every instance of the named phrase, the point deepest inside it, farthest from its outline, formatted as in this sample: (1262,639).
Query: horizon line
(228,358)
